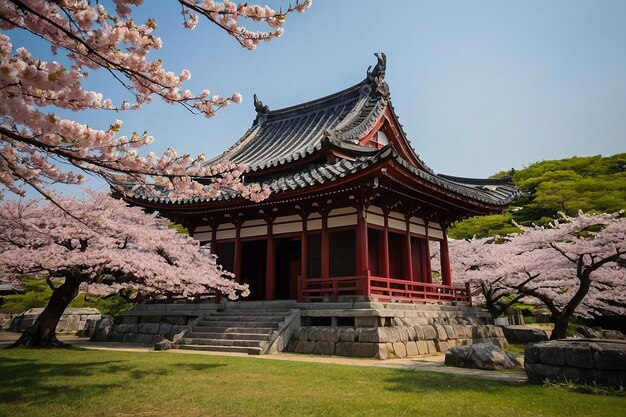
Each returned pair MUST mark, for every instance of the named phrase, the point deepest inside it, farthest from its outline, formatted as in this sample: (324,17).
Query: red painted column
(408,259)
(304,247)
(237,256)
(446,270)
(362,258)
(385,248)
(270,263)
(428,273)
(325,255)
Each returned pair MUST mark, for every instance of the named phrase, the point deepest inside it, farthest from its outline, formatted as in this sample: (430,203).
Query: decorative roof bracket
(377,75)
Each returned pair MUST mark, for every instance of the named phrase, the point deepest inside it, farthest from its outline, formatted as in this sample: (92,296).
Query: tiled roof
(278,138)
(498,192)
(282,136)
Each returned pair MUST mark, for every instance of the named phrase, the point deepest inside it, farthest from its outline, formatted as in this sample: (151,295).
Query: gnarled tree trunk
(43,332)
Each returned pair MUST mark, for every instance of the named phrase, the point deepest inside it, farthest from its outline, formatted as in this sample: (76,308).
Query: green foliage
(590,184)
(178,227)
(37,293)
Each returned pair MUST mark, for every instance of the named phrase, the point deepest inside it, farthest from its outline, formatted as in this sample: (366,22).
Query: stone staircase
(246,327)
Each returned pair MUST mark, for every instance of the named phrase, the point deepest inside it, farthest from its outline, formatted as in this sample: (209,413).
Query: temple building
(354,213)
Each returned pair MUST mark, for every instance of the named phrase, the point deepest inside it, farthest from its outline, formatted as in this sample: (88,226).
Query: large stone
(411,349)
(429,333)
(305,346)
(399,348)
(347,335)
(324,348)
(480,356)
(441,332)
(422,347)
(524,334)
(592,361)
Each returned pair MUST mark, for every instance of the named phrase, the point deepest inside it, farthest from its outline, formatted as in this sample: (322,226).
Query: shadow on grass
(39,381)
(423,382)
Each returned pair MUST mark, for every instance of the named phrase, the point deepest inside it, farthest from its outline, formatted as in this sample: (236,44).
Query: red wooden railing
(379,288)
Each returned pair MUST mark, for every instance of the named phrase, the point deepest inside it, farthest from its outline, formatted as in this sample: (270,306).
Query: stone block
(302,333)
(344,349)
(609,355)
(441,332)
(394,334)
(422,347)
(537,372)
(370,335)
(579,357)
(324,348)
(430,346)
(404,333)
(150,328)
(429,332)
(363,350)
(366,321)
(316,333)
(450,332)
(419,333)
(551,355)
(399,349)
(412,333)
(382,351)
(330,334)
(390,353)
(305,346)
(411,349)
(442,346)
(129,337)
(164,328)
(347,335)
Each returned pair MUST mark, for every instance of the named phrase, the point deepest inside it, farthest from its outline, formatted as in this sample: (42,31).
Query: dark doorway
(288,255)
(342,253)
(253,262)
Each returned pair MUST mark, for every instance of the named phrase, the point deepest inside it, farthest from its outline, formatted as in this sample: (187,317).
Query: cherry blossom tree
(574,266)
(110,249)
(35,141)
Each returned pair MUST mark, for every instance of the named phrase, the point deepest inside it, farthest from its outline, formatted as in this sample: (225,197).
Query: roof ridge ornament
(259,106)
(377,75)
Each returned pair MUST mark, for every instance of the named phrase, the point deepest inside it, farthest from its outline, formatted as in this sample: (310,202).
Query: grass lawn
(113,383)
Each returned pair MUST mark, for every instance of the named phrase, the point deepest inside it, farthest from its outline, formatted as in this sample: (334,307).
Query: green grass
(112,383)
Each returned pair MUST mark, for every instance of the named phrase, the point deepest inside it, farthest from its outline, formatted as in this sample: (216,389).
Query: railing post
(469,293)
(300,289)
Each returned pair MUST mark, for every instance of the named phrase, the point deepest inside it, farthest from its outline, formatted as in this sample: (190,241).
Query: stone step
(252,312)
(220,342)
(276,318)
(210,348)
(247,324)
(261,337)
(218,328)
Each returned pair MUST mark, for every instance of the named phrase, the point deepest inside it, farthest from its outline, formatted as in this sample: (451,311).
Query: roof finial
(377,75)
(379,69)
(259,106)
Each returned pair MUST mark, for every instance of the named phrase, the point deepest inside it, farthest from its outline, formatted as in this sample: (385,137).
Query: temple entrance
(254,254)
(288,254)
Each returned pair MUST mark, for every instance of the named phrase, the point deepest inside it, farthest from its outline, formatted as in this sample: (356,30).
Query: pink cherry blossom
(35,141)
(575,266)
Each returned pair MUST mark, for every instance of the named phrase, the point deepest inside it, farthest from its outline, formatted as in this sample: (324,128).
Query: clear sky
(480,86)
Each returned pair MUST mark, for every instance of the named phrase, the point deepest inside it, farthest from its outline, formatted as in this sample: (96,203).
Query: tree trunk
(43,332)
(560,328)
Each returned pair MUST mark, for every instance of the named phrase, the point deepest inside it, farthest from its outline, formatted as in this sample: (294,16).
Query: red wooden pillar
(325,255)
(304,247)
(270,263)
(427,269)
(408,259)
(384,247)
(446,271)
(238,248)
(362,250)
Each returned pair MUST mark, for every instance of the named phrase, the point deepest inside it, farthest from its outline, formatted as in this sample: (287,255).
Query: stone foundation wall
(390,330)
(73,319)
(146,333)
(150,323)
(580,360)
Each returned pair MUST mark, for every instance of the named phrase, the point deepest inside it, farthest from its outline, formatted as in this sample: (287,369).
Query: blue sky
(480,86)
